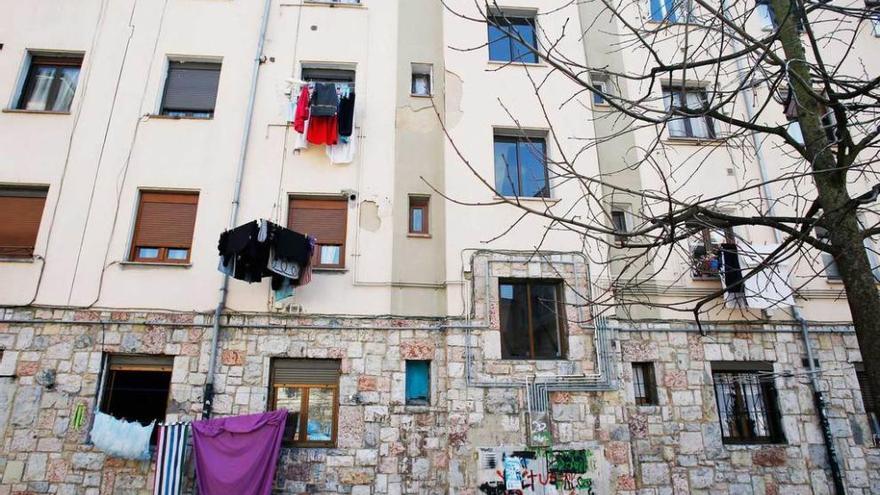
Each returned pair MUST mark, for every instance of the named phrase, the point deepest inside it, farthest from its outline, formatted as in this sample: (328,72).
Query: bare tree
(795,88)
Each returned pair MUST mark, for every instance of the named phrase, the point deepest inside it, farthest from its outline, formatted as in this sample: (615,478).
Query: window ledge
(41,112)
(151,263)
(419,236)
(527,199)
(329,269)
(18,259)
(752,445)
(500,63)
(421,96)
(159,116)
(694,141)
(325,3)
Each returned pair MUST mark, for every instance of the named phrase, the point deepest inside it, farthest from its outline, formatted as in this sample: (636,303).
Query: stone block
(690,442)
(655,473)
(417,349)
(13,472)
(36,467)
(770,457)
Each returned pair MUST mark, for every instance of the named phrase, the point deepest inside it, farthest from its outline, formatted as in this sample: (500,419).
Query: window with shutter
(20,212)
(164,228)
(326,220)
(191,89)
(871,401)
(309,390)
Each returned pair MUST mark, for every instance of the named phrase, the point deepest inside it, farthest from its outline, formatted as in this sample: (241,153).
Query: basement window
(309,390)
(532,325)
(418,383)
(137,388)
(644,384)
(747,403)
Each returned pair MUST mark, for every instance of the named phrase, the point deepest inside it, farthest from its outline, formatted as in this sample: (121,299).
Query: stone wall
(385,446)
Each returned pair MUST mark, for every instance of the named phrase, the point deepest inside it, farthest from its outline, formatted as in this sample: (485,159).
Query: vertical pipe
(208,401)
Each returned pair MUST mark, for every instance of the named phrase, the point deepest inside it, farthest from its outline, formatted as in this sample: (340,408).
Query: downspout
(208,401)
(818,397)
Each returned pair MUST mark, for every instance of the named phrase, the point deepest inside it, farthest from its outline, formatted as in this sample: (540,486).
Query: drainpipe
(208,402)
(818,397)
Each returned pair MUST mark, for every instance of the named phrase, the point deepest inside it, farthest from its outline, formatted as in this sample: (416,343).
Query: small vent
(488,459)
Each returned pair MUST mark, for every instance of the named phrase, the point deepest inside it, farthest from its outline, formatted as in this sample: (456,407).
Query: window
(309,390)
(510,36)
(707,248)
(191,89)
(618,223)
(830,266)
(665,10)
(325,219)
(688,127)
(136,388)
(163,231)
(421,79)
(50,83)
(601,84)
(747,404)
(532,325)
(418,383)
(21,209)
(644,384)
(418,215)
(766,15)
(521,166)
(871,402)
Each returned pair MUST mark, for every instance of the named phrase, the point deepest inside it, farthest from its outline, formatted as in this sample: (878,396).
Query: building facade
(432,351)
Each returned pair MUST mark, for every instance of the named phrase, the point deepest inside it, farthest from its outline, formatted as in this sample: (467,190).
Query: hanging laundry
(324,101)
(323,130)
(342,152)
(242,254)
(238,454)
(170,457)
(118,438)
(346,115)
(305,275)
(301,115)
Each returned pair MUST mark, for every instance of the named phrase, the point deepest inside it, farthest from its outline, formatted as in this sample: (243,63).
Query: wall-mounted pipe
(208,400)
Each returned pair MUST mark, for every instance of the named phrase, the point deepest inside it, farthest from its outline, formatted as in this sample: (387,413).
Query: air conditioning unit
(288,308)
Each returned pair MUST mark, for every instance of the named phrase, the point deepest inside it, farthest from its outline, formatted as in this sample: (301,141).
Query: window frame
(326,201)
(37,59)
(189,114)
(522,139)
(648,384)
(682,91)
(498,18)
(419,202)
(162,255)
(872,416)
(24,191)
(741,417)
(622,214)
(671,12)
(303,413)
(150,364)
(561,320)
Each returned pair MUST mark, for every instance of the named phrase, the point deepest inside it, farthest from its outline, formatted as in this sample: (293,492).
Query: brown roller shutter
(20,214)
(165,220)
(325,219)
(305,372)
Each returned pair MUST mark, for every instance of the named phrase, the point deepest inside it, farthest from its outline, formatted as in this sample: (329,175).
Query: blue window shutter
(418,382)
(656,10)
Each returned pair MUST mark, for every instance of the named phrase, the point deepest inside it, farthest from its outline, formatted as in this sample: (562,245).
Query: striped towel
(170,455)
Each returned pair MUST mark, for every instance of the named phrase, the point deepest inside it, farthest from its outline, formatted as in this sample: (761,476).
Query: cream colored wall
(476,90)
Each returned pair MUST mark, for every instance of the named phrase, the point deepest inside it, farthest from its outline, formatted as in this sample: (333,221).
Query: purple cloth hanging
(238,454)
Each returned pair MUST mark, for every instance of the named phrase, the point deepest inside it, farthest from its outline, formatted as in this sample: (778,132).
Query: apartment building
(432,351)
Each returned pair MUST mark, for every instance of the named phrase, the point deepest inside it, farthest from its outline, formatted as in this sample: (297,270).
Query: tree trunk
(839,213)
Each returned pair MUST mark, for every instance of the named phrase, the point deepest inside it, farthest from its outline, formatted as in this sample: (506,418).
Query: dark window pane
(499,44)
(545,320)
(514,321)
(746,408)
(140,396)
(533,169)
(506,176)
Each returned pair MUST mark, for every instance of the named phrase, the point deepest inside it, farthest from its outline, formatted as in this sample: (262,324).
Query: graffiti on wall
(504,471)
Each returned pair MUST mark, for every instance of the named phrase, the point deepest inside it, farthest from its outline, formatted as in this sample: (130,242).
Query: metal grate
(746,407)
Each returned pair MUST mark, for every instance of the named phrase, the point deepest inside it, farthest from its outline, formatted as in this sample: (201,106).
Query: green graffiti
(568,461)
